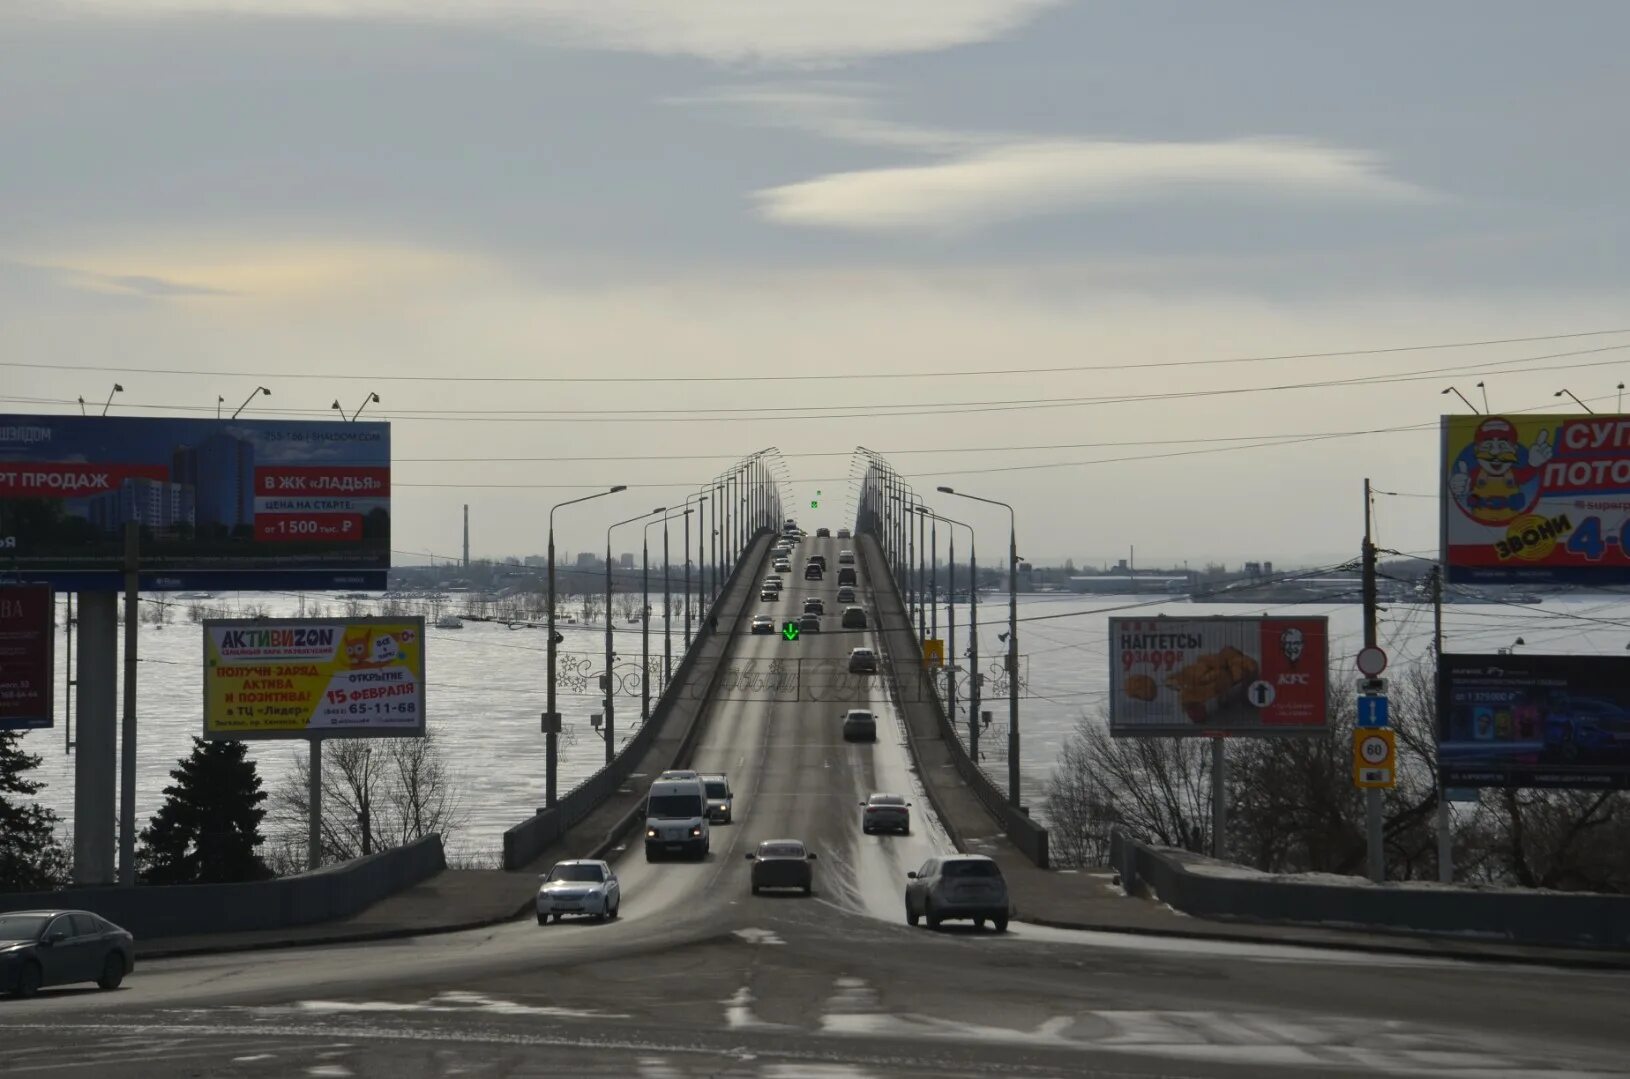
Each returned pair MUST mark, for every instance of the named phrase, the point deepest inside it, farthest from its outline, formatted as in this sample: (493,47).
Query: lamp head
(945,490)
(619,487)
(336,404)
(1447,390)
(1559,393)
(374,397)
(118,388)
(660,509)
(264,392)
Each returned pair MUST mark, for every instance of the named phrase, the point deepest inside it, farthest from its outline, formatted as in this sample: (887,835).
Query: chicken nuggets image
(1213,682)
(1140,687)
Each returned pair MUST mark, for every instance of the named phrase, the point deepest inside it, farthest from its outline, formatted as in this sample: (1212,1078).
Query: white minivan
(676,818)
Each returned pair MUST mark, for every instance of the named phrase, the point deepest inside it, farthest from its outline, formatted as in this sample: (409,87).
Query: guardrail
(530,838)
(1027,835)
(172,910)
(1556,919)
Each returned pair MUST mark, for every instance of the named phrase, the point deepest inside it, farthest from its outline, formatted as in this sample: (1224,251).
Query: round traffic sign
(1371,662)
(1373,749)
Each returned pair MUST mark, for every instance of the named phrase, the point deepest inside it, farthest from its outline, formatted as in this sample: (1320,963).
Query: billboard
(1536,499)
(313,677)
(1218,676)
(27,637)
(1534,721)
(221,504)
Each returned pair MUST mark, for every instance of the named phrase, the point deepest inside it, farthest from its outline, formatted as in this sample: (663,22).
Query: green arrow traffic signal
(790,631)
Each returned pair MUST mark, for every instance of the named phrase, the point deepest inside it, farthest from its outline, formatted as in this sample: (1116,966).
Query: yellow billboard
(313,678)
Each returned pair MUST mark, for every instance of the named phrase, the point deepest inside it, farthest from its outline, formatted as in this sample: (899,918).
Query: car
(846,576)
(885,813)
(843,533)
(773,582)
(854,618)
(823,533)
(809,623)
(859,725)
(676,817)
(813,572)
(782,863)
(862,661)
(763,623)
(958,886)
(783,566)
(846,558)
(819,560)
(814,605)
(770,595)
(578,886)
(721,800)
(60,947)
(846,594)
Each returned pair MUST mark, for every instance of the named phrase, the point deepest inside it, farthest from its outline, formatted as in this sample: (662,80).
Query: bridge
(700,977)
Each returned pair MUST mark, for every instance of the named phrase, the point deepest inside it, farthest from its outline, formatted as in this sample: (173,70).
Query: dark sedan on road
(59,947)
(885,813)
(782,863)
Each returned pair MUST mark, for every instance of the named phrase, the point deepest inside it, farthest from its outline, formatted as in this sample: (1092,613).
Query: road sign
(551,723)
(1374,759)
(789,630)
(1371,661)
(933,652)
(1372,712)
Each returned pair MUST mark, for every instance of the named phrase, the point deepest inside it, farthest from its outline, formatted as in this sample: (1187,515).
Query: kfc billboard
(1218,676)
(221,504)
(1536,499)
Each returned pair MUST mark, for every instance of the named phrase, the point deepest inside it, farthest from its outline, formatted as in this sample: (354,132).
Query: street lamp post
(551,718)
(668,600)
(698,509)
(1012,644)
(973,628)
(610,721)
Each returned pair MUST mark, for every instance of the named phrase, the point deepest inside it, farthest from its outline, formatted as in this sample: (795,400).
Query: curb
(1584,961)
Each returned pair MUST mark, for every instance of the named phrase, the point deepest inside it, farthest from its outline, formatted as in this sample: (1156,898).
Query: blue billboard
(1534,721)
(220,504)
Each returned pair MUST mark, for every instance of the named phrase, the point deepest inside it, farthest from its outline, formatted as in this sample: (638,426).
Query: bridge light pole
(610,725)
(974,694)
(551,718)
(1012,643)
(699,509)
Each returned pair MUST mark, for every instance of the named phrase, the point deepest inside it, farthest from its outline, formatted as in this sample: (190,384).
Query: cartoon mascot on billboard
(1491,482)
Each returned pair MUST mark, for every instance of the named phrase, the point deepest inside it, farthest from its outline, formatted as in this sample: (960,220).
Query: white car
(579,887)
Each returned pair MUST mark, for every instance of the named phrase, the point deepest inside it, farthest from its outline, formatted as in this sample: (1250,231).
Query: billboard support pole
(1219,797)
(96,743)
(127,737)
(1446,845)
(314,804)
(1373,814)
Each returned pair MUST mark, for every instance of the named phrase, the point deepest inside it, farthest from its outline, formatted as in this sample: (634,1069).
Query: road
(698,977)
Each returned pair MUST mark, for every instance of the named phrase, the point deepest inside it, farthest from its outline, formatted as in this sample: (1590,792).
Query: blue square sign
(1372,712)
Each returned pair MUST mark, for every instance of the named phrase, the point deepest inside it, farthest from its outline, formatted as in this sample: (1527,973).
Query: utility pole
(1446,847)
(1373,820)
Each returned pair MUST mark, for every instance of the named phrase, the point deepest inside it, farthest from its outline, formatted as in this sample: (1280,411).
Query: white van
(676,818)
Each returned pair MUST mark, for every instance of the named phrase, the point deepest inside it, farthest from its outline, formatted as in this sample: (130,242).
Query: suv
(958,886)
(721,801)
(814,605)
(862,661)
(823,533)
(859,725)
(854,618)
(843,533)
(846,576)
(846,593)
(813,571)
(846,558)
(809,623)
(819,560)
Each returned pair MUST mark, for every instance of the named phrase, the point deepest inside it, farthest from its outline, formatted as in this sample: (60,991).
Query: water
(486,684)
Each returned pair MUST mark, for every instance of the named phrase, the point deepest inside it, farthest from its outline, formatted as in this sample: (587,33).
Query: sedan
(854,618)
(782,565)
(60,947)
(770,595)
(579,887)
(814,605)
(809,623)
(862,661)
(763,623)
(846,594)
(843,533)
(823,533)
(885,813)
(859,725)
(782,863)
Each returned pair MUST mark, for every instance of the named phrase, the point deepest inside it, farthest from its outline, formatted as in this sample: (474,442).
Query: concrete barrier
(1027,835)
(1554,919)
(678,708)
(172,910)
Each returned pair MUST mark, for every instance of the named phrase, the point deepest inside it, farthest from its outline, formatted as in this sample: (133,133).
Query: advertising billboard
(1218,676)
(27,637)
(221,504)
(1534,721)
(1536,499)
(313,677)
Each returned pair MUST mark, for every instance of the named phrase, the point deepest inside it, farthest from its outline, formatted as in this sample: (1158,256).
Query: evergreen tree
(207,829)
(30,856)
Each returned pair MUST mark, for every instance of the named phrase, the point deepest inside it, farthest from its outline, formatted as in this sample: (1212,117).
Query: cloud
(731,31)
(1029,178)
(838,111)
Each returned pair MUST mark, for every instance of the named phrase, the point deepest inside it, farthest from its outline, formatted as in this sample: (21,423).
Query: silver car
(579,887)
(958,886)
(721,800)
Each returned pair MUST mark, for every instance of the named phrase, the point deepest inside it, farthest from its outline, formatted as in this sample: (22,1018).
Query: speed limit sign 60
(1374,766)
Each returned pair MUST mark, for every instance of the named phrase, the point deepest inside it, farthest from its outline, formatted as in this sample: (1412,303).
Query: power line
(868,375)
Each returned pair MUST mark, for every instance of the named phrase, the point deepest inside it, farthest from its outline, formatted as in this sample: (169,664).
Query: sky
(1164,276)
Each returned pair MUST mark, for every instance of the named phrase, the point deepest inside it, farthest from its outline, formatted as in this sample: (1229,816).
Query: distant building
(587,560)
(1127,584)
(626,560)
(221,472)
(153,504)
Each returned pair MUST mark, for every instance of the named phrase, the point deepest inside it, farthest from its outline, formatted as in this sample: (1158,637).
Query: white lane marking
(254,1058)
(451,1001)
(758,936)
(330,1071)
(738,1013)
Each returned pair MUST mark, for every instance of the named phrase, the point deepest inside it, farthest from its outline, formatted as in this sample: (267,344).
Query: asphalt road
(699,977)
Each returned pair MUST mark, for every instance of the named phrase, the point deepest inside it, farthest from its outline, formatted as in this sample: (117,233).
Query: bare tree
(630,604)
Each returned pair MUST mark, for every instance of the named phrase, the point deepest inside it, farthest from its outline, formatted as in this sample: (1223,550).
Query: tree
(31,859)
(207,830)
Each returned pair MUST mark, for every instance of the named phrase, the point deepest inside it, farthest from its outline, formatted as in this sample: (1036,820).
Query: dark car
(813,572)
(854,618)
(60,947)
(782,863)
(823,533)
(819,560)
(846,576)
(859,725)
(814,605)
(885,813)
(862,661)
(809,623)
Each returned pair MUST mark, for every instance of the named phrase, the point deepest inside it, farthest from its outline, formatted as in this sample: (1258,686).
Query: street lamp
(258,389)
(1012,643)
(611,725)
(668,599)
(116,389)
(974,694)
(551,718)
(700,510)
(372,397)
(1462,396)
(645,613)
(1576,400)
